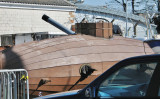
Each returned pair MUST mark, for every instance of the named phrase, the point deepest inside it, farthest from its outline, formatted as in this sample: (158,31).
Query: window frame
(121,69)
(140,59)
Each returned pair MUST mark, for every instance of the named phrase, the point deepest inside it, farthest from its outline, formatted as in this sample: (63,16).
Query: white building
(136,25)
(21,20)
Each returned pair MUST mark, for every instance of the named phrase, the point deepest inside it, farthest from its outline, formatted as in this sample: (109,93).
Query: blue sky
(96,2)
(112,4)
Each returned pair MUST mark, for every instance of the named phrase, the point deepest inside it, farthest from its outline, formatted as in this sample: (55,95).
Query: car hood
(58,95)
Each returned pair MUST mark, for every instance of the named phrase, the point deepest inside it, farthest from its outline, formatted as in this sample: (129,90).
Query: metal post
(4,86)
(23,89)
(0,84)
(18,85)
(21,86)
(126,19)
(8,85)
(27,82)
(9,77)
(15,85)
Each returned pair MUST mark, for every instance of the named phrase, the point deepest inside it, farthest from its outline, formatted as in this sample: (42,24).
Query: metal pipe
(14,85)
(56,24)
(1,79)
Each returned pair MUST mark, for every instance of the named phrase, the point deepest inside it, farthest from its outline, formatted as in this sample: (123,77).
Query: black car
(136,77)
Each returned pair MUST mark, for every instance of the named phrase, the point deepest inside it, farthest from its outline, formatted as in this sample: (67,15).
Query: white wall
(14,21)
(26,19)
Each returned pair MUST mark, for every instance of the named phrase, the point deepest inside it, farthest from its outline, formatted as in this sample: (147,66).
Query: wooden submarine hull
(59,59)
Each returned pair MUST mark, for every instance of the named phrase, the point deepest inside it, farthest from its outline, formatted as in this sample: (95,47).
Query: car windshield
(131,80)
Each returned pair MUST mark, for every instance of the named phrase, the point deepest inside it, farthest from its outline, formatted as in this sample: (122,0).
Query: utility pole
(126,19)
(158,5)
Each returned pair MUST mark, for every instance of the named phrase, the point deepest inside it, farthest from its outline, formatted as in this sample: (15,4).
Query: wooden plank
(110,25)
(62,80)
(93,57)
(94,25)
(77,52)
(55,88)
(99,33)
(105,25)
(81,44)
(107,65)
(29,50)
(83,51)
(106,33)
(99,25)
(80,47)
(110,31)
(63,71)
(118,56)
(46,43)
(68,61)
(55,49)
(52,42)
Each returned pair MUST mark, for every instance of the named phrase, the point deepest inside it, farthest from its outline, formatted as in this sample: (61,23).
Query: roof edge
(37,6)
(109,11)
(41,2)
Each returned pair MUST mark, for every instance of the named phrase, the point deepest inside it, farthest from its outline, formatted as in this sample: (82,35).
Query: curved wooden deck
(59,59)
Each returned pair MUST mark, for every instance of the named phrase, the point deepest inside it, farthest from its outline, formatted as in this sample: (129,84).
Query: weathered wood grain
(59,59)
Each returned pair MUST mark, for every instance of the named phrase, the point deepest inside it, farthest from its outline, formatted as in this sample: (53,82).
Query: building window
(7,40)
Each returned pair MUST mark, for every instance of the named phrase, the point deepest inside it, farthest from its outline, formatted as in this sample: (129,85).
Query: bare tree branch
(123,4)
(133,6)
(118,2)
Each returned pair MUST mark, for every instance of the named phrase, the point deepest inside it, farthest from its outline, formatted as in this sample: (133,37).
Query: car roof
(151,57)
(130,60)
